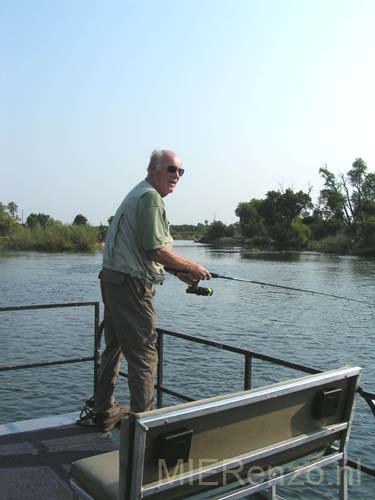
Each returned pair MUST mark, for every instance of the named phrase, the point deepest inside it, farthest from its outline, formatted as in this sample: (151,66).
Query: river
(320,332)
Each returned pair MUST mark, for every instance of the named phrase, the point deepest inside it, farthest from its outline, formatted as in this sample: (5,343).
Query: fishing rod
(207,292)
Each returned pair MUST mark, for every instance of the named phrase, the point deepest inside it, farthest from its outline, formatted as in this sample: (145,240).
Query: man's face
(163,179)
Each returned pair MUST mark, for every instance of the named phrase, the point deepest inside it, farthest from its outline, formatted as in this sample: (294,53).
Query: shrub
(55,237)
(300,234)
(341,243)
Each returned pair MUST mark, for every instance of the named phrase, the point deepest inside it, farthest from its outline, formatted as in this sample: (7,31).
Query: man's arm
(192,271)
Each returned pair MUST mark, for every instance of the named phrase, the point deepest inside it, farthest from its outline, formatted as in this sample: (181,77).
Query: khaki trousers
(130,331)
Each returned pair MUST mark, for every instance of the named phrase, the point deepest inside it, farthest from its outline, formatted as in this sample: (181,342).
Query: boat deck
(35,456)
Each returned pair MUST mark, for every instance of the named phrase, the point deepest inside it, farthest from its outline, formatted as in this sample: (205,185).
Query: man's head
(164,171)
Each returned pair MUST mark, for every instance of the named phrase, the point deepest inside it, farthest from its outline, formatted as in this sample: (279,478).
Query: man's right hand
(198,272)
(171,260)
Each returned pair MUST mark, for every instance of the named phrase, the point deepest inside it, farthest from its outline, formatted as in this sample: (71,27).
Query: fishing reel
(199,290)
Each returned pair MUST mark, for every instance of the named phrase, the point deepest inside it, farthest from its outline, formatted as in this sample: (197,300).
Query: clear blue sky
(254,95)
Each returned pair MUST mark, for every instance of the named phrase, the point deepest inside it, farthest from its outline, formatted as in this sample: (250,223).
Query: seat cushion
(98,475)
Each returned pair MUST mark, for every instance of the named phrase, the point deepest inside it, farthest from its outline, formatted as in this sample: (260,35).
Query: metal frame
(273,482)
(78,492)
(247,459)
(249,356)
(97,334)
(262,394)
(143,424)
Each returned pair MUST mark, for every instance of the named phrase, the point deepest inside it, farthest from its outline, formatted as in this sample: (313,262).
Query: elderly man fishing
(138,246)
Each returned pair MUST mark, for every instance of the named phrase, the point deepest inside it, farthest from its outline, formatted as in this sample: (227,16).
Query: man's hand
(193,272)
(186,278)
(198,272)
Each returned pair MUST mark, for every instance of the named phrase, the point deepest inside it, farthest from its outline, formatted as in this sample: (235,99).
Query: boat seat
(212,448)
(98,476)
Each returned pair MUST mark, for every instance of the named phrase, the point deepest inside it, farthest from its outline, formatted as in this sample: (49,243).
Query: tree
(218,229)
(250,223)
(13,210)
(38,219)
(80,220)
(282,207)
(349,198)
(331,200)
(273,217)
(7,222)
(362,198)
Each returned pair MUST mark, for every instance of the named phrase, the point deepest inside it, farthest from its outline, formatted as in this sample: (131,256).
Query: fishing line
(197,290)
(295,289)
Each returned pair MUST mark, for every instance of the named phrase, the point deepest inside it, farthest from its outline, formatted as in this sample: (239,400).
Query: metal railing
(248,357)
(97,334)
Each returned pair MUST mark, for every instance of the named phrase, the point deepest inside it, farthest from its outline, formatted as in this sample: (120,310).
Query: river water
(320,332)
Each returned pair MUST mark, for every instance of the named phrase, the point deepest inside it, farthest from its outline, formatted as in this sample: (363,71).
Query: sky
(253,95)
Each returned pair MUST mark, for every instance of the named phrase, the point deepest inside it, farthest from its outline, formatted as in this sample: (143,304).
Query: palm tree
(13,210)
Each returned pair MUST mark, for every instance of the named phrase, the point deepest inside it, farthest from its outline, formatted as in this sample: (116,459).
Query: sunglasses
(172,169)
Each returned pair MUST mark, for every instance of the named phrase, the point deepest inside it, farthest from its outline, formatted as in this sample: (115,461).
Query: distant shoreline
(245,247)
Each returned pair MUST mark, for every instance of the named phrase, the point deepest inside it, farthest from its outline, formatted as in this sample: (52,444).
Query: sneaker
(107,422)
(87,415)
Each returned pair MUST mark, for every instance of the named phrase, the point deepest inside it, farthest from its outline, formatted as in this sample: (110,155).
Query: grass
(55,237)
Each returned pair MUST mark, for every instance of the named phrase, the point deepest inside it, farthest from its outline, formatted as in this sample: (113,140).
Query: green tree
(282,207)
(321,227)
(362,197)
(13,210)
(8,222)
(300,234)
(273,217)
(348,198)
(42,219)
(80,220)
(215,230)
(332,200)
(348,201)
(251,223)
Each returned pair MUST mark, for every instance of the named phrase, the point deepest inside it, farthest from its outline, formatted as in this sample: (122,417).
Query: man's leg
(142,364)
(105,402)
(112,356)
(134,318)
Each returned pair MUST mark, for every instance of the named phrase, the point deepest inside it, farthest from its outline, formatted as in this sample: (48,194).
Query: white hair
(155,159)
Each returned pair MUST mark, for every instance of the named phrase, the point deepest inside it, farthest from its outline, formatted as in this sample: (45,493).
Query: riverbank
(82,241)
(55,237)
(330,245)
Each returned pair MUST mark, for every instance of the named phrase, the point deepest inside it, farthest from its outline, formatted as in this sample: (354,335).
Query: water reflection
(275,256)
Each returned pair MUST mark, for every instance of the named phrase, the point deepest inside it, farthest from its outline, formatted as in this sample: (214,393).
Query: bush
(55,237)
(365,233)
(300,234)
(341,243)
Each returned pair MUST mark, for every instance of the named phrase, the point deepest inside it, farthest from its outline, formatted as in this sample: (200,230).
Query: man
(138,246)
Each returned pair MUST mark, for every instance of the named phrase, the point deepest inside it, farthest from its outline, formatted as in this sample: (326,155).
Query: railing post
(96,346)
(159,382)
(343,478)
(248,371)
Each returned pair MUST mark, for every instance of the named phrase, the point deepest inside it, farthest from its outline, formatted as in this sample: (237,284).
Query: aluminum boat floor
(35,456)
(34,463)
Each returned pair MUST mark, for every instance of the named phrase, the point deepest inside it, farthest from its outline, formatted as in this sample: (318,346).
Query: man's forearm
(168,258)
